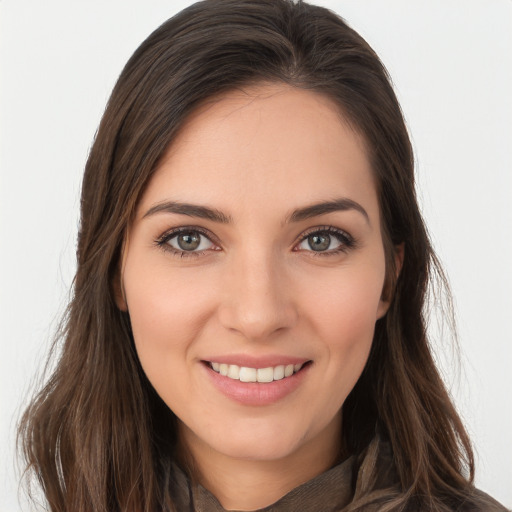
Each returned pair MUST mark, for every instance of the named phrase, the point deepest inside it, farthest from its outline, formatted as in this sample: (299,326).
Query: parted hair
(97,436)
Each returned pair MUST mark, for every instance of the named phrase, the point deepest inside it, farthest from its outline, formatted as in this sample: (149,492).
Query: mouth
(260,375)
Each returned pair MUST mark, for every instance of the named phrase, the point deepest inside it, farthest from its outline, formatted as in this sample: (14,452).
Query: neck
(237,483)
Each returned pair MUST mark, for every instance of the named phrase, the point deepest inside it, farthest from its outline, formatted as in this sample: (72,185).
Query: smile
(260,381)
(263,375)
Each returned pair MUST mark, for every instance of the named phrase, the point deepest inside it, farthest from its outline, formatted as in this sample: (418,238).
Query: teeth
(244,374)
(279,372)
(234,372)
(265,375)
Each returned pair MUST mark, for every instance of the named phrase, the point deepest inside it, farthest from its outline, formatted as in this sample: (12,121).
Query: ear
(118,289)
(389,286)
(117,281)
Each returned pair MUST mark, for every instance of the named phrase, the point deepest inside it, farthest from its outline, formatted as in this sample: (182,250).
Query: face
(253,273)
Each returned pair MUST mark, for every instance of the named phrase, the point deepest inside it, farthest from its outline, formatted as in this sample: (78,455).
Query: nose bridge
(256,301)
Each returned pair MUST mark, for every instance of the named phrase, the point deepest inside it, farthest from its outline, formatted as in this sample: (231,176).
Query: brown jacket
(347,487)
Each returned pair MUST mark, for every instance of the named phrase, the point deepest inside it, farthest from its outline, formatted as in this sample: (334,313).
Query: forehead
(271,144)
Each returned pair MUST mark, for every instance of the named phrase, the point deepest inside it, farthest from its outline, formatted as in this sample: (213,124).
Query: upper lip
(249,361)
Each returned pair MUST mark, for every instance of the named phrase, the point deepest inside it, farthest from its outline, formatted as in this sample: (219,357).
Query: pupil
(188,241)
(319,242)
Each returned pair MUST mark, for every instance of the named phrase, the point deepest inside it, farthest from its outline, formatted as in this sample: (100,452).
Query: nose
(257,299)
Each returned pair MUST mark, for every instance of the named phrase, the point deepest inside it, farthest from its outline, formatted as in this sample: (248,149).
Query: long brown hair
(97,436)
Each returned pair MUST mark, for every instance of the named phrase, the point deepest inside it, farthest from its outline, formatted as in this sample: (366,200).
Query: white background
(451,65)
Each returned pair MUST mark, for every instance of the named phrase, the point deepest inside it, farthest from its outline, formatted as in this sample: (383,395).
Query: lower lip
(256,393)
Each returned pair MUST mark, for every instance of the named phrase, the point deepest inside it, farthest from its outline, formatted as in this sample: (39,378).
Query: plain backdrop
(451,66)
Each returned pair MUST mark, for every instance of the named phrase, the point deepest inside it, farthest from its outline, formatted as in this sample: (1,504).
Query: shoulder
(475,501)
(482,502)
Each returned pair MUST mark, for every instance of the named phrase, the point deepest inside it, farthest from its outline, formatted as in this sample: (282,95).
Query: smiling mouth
(262,375)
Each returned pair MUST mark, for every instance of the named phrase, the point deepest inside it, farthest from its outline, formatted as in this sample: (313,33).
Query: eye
(328,240)
(186,242)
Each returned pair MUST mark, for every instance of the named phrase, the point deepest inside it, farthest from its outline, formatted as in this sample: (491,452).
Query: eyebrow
(205,212)
(322,208)
(192,210)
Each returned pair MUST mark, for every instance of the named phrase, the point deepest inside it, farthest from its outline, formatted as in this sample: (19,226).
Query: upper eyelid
(322,229)
(170,233)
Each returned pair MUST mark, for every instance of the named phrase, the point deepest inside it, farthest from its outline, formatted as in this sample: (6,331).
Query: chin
(259,450)
(255,439)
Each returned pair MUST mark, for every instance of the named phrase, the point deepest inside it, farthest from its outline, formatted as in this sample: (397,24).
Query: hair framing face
(99,394)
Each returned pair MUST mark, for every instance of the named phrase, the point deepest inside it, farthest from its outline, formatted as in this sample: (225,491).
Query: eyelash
(347,242)
(163,241)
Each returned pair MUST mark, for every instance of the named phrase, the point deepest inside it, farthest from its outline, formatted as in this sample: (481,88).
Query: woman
(246,329)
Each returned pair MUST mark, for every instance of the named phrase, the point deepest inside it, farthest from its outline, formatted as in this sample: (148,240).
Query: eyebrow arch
(192,210)
(340,204)
(204,212)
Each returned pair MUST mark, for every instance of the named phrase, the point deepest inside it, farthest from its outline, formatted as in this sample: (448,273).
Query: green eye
(319,242)
(327,240)
(188,241)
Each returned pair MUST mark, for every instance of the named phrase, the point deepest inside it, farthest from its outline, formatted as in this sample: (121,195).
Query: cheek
(342,314)
(348,300)
(348,337)
(166,313)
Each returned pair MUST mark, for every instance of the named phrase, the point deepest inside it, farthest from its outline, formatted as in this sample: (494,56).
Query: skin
(257,287)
